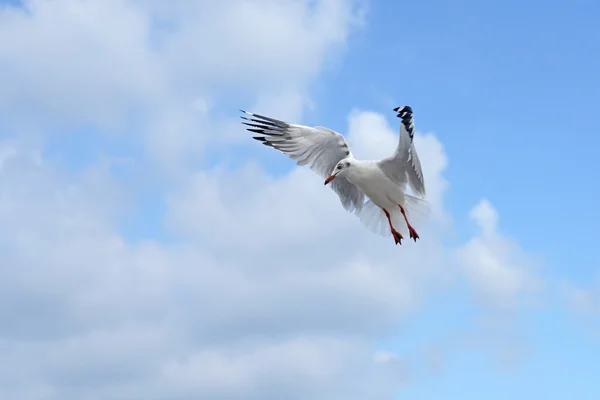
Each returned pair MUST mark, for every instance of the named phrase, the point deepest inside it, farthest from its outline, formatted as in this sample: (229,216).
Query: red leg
(397,235)
(413,234)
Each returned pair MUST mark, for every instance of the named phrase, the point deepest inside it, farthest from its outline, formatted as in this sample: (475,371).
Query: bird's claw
(413,234)
(397,237)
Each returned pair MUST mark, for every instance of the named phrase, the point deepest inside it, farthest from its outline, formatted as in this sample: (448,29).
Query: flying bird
(376,191)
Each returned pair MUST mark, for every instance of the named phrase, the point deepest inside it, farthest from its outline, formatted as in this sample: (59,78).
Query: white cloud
(136,67)
(264,369)
(110,316)
(583,300)
(235,306)
(61,63)
(500,272)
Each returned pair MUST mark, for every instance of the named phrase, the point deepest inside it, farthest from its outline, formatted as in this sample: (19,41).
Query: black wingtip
(403,108)
(406,115)
(263,140)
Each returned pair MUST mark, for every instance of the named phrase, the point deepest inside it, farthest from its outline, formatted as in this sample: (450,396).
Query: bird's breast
(374,183)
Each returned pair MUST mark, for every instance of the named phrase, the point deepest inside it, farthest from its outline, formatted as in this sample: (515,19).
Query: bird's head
(340,169)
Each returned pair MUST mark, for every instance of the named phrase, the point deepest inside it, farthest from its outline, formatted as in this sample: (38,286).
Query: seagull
(374,190)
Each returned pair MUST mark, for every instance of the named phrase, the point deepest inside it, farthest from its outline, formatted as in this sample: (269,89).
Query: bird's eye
(339,167)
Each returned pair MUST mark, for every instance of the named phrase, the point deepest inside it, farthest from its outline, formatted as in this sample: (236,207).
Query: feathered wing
(320,148)
(404,166)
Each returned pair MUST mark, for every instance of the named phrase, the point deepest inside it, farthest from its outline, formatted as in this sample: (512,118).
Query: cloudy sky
(149,249)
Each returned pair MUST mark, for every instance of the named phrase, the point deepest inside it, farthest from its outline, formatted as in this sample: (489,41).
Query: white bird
(383,182)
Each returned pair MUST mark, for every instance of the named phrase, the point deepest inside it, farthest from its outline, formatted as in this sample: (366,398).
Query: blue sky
(508,88)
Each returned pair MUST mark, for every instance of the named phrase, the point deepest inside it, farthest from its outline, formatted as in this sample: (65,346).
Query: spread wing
(404,166)
(320,148)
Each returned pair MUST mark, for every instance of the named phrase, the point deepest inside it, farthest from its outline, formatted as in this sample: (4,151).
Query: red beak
(329,179)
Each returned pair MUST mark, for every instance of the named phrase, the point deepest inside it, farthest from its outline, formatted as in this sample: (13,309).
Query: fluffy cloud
(241,313)
(137,67)
(226,302)
(583,300)
(500,272)
(235,308)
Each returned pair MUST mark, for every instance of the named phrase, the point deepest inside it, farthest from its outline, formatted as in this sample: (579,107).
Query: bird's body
(382,182)
(375,184)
